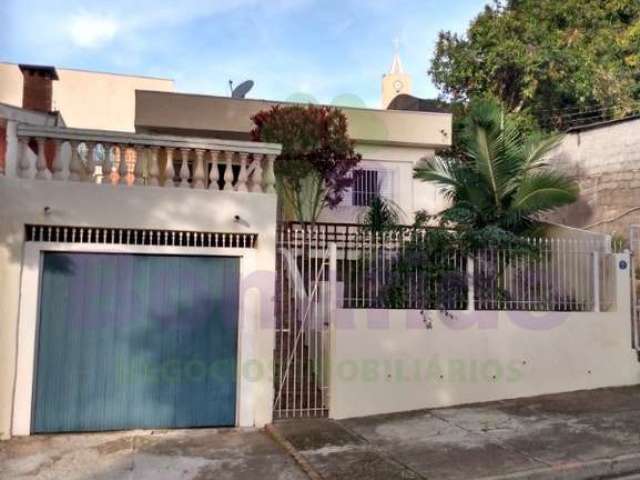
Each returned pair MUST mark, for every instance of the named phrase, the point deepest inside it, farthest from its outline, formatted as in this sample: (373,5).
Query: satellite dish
(241,90)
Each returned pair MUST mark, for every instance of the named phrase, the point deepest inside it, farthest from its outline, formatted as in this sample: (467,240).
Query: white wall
(167,112)
(386,361)
(10,84)
(83,204)
(93,100)
(408,193)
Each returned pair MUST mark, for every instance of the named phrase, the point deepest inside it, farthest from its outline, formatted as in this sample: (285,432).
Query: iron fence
(411,268)
(552,275)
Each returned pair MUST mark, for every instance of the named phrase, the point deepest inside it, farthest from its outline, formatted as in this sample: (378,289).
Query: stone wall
(605,160)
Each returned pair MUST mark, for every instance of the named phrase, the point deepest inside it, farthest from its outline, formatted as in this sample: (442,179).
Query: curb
(607,468)
(290,449)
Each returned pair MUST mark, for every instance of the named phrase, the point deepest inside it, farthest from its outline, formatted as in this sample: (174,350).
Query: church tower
(395,82)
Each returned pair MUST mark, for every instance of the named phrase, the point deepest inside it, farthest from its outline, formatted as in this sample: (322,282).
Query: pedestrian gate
(302,323)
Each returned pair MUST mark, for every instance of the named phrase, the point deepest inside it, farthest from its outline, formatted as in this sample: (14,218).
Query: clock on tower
(395,82)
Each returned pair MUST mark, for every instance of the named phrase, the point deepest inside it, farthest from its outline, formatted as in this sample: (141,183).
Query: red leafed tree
(312,171)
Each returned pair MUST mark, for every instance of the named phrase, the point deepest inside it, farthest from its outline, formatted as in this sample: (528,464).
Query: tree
(558,61)
(502,183)
(382,215)
(312,171)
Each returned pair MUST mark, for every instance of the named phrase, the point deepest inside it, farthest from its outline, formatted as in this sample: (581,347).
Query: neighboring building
(605,160)
(395,83)
(71,98)
(84,99)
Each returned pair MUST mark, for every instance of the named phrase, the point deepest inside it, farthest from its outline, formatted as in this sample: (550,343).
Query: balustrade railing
(66,154)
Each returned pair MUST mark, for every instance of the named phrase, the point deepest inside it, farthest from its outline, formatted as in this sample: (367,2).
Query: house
(68,216)
(73,210)
(146,282)
(604,158)
(391,142)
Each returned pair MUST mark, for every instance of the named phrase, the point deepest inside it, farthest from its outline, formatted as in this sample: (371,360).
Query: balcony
(137,160)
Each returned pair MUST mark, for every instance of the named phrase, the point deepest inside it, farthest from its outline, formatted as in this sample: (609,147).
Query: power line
(606,109)
(576,107)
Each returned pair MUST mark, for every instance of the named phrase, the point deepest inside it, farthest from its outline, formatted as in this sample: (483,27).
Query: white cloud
(89,29)
(344,47)
(92,31)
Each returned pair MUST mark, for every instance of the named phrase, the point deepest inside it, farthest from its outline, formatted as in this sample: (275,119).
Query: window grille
(368,184)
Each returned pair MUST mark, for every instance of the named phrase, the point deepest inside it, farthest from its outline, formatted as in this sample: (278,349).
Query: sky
(329,51)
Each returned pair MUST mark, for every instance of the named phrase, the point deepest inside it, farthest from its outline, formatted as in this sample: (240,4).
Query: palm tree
(503,179)
(382,215)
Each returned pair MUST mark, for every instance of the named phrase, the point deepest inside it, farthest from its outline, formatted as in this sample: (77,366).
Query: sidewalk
(587,434)
(203,454)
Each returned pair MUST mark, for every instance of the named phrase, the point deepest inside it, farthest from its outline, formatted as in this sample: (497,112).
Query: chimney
(37,90)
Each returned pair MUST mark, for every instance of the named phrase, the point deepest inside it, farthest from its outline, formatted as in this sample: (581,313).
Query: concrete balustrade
(133,160)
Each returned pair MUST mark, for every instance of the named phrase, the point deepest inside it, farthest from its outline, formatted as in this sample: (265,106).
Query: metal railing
(552,275)
(344,265)
(634,245)
(407,269)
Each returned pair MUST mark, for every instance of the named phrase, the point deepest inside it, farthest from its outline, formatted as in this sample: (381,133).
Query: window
(369,184)
(364,187)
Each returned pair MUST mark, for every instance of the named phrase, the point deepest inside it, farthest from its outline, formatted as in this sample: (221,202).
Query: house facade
(147,283)
(391,142)
(108,225)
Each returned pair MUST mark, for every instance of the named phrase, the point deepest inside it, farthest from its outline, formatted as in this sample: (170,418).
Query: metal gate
(305,271)
(136,341)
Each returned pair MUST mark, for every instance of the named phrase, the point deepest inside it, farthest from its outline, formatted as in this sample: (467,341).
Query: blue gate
(136,341)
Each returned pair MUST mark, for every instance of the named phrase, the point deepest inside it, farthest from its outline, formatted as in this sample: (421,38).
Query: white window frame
(385,176)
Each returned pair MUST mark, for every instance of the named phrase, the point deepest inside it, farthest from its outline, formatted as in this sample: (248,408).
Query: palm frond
(535,150)
(382,215)
(503,178)
(484,142)
(509,149)
(543,191)
(485,160)
(442,171)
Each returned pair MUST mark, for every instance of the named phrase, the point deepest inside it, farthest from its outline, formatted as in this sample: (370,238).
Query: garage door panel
(136,341)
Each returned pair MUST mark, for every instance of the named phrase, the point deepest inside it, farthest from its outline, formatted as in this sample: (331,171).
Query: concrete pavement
(580,435)
(174,455)
(589,434)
